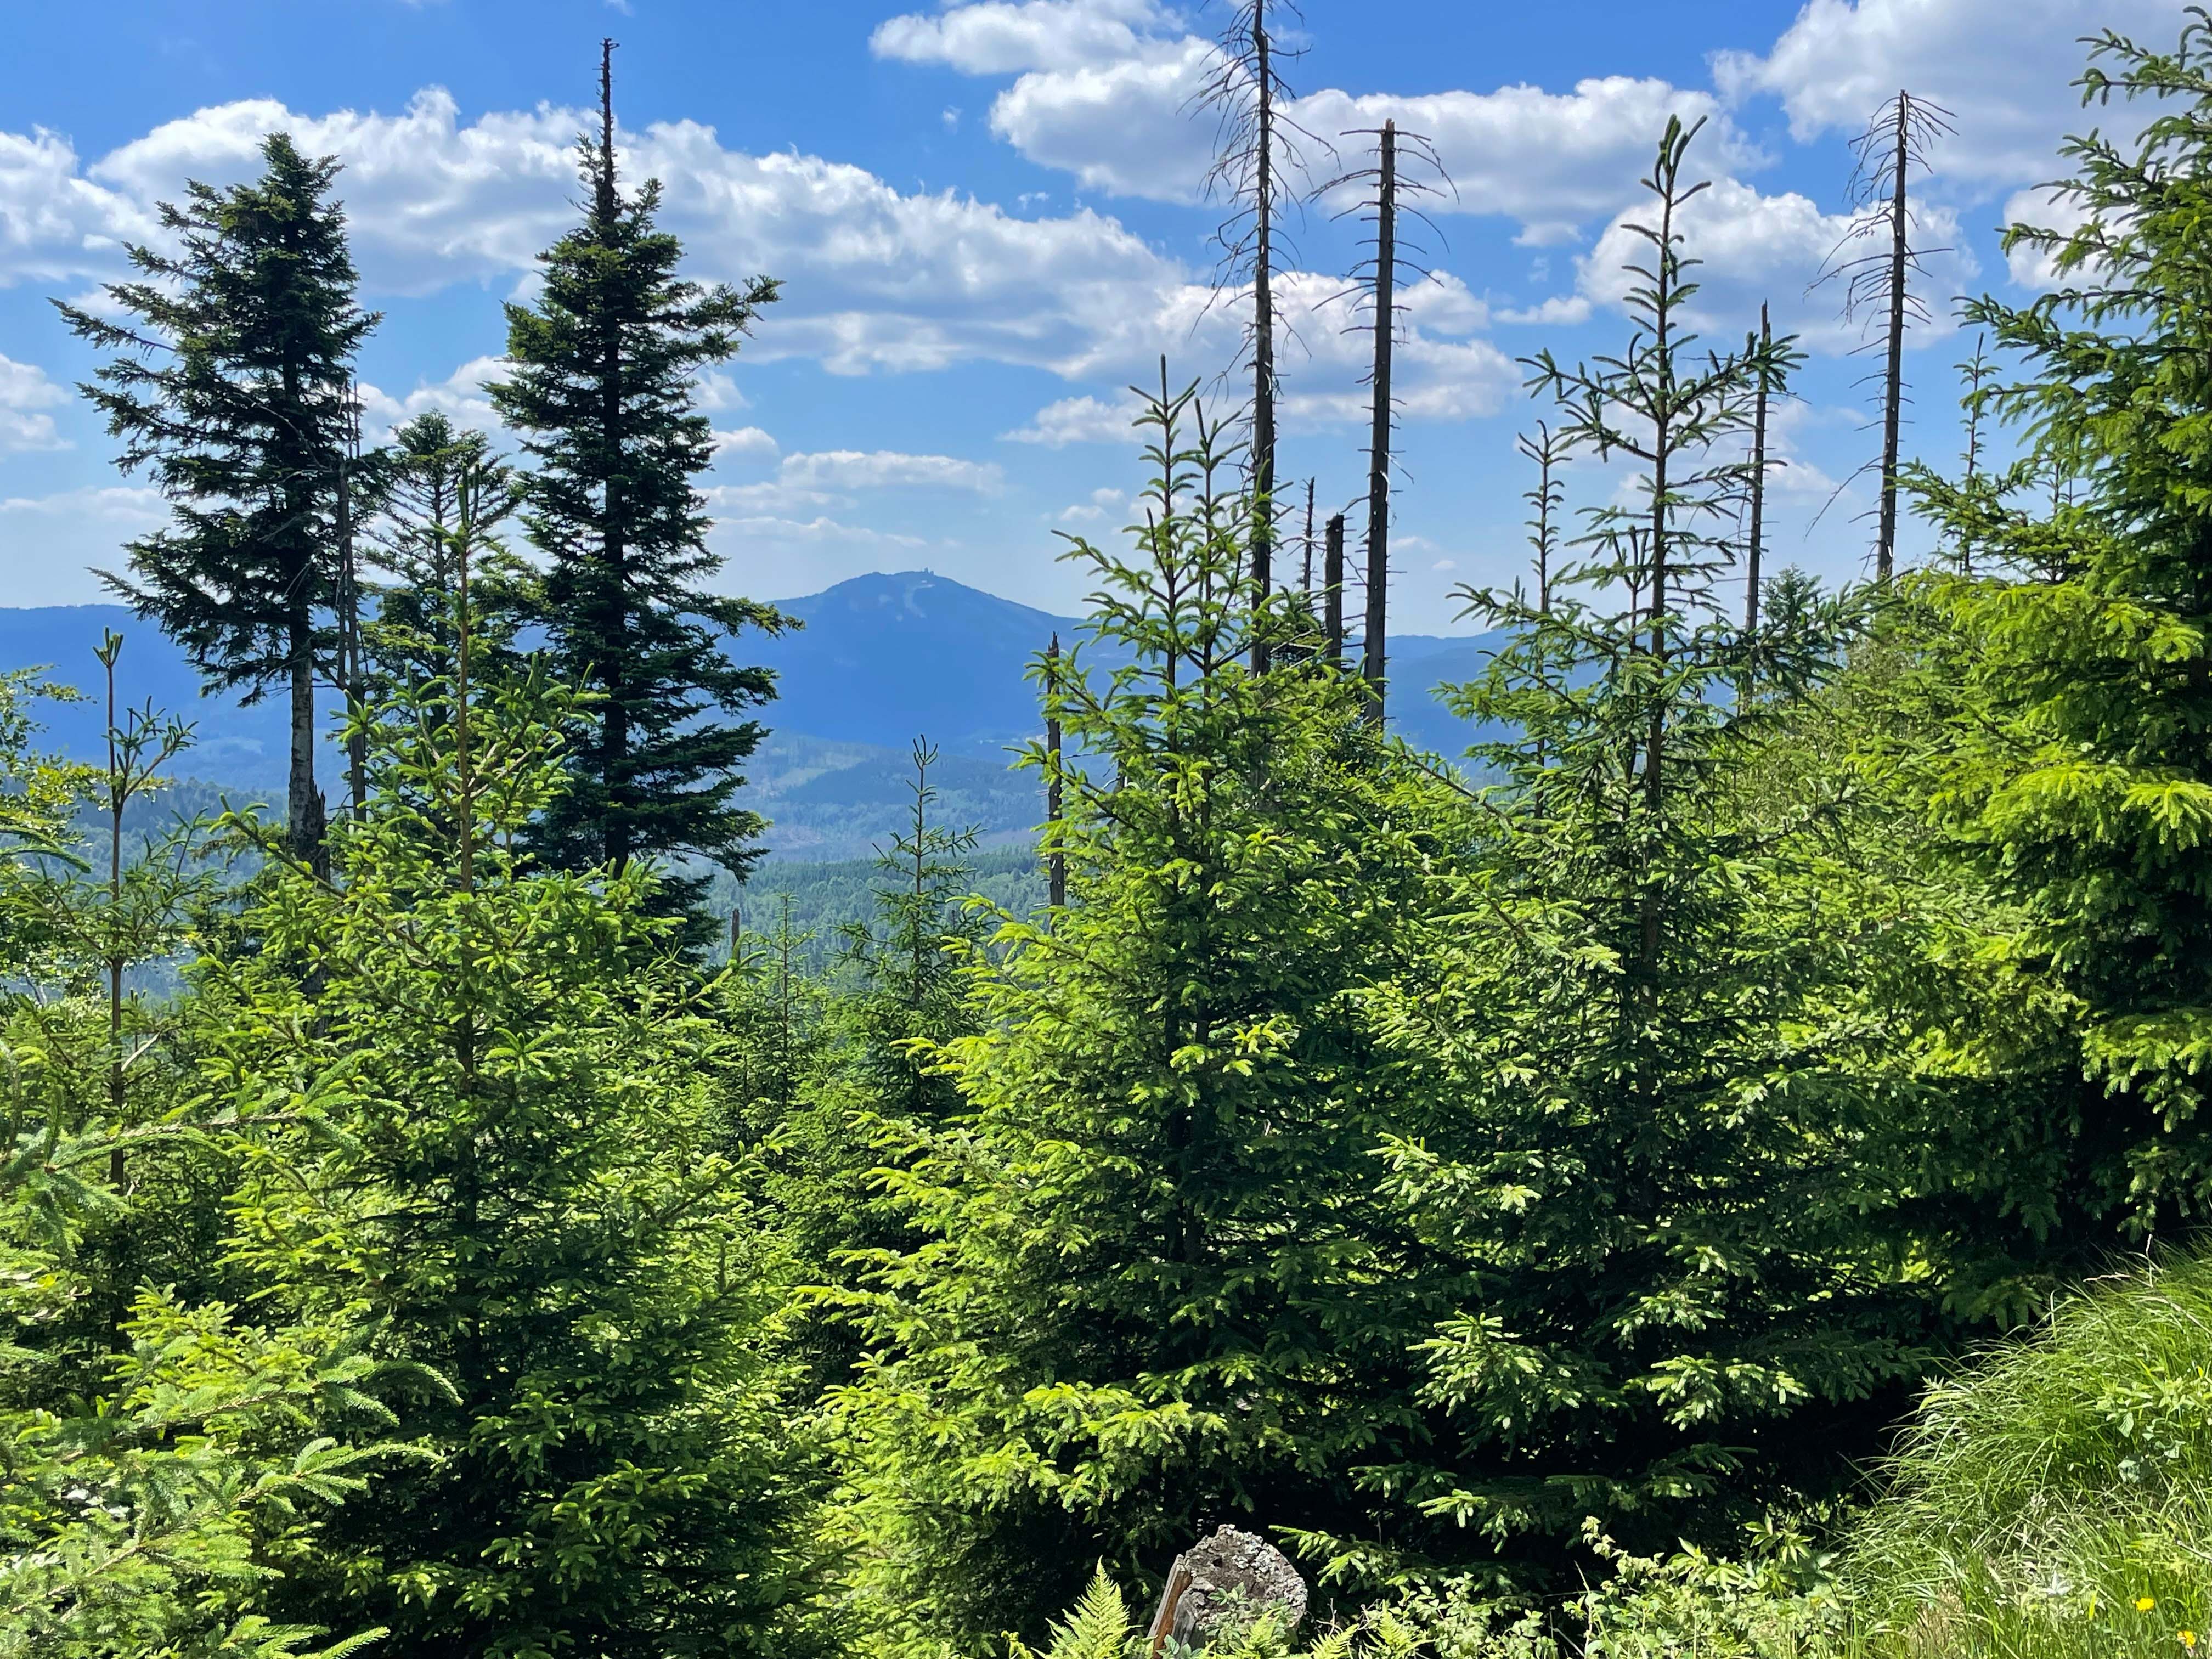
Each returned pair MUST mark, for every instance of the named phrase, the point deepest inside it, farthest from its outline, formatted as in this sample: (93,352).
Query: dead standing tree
(1875,260)
(1776,361)
(352,677)
(1260,170)
(1406,168)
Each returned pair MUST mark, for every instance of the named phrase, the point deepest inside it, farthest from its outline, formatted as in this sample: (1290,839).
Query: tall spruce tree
(231,384)
(602,395)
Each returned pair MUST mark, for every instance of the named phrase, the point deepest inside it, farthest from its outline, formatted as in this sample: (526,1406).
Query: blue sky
(987,217)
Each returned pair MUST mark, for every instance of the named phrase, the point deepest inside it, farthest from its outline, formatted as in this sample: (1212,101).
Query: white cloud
(770,528)
(1560,310)
(745,443)
(2030,266)
(715,393)
(54,223)
(2003,68)
(1080,421)
(1101,503)
(1005,37)
(25,394)
(888,468)
(877,279)
(459,396)
(1130,128)
(832,477)
(1552,162)
(1112,93)
(1758,248)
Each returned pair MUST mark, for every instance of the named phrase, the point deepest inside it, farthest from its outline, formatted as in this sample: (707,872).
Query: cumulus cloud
(2033,267)
(716,392)
(26,394)
(1552,162)
(55,223)
(1005,37)
(1130,128)
(834,478)
(1111,91)
(2003,68)
(745,443)
(1101,503)
(1757,247)
(877,278)
(1560,310)
(459,397)
(1079,421)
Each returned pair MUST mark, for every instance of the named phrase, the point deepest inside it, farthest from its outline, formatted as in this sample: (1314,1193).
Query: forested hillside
(1714,1163)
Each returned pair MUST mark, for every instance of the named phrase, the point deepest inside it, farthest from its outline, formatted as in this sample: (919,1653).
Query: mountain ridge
(882,659)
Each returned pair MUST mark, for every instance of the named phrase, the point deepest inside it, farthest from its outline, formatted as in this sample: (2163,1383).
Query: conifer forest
(1714,1165)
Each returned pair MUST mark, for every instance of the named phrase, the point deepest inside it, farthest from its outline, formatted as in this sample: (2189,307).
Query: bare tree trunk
(1331,582)
(1263,349)
(303,803)
(1885,558)
(613,774)
(349,653)
(1378,452)
(1055,867)
(1752,554)
(1305,581)
(118,1171)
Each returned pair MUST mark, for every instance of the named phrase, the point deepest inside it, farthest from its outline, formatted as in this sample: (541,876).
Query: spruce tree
(231,385)
(508,1144)
(444,497)
(2072,761)
(1155,1284)
(601,393)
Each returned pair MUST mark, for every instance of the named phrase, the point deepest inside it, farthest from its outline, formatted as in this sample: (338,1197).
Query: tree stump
(1222,1584)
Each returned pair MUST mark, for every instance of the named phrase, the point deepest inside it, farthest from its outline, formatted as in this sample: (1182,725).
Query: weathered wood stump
(1220,1585)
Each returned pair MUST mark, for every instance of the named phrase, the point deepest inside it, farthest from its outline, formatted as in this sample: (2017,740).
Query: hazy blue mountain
(885,658)
(881,660)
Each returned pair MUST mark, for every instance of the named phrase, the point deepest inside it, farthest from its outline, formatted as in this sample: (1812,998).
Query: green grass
(2056,1498)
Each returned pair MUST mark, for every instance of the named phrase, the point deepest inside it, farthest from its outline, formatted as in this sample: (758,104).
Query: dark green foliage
(601,393)
(1655,1015)
(232,386)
